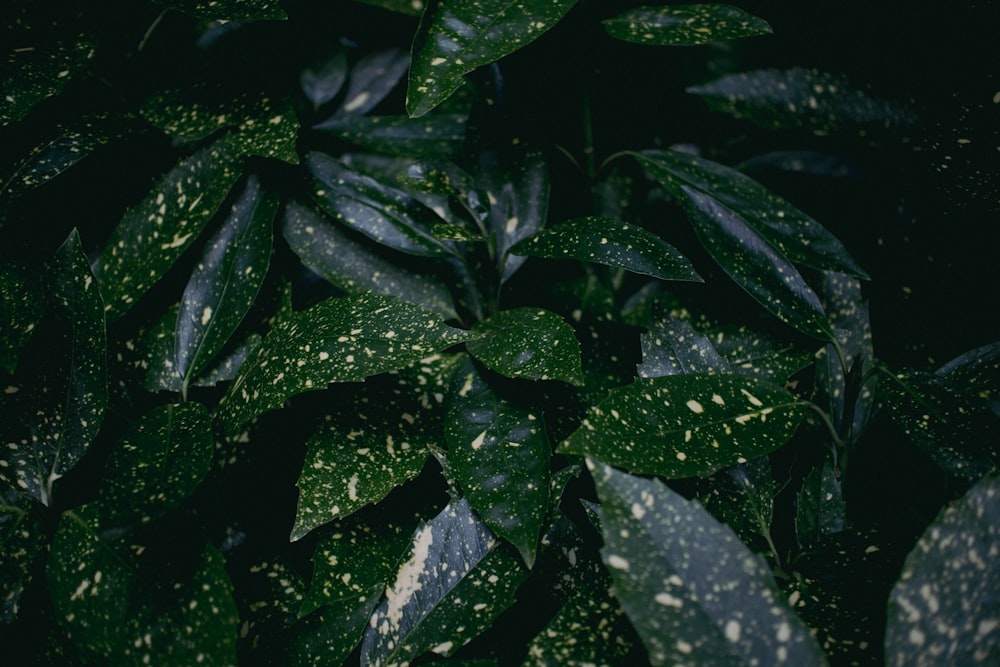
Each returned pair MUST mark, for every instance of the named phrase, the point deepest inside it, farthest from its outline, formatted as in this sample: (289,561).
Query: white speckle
(681,456)
(683,646)
(695,407)
(668,600)
(357,102)
(206,315)
(352,487)
(443,648)
(750,397)
(638,511)
(408,578)
(439,61)
(478,442)
(176,243)
(784,632)
(618,562)
(733,631)
(323,356)
(916,637)
(718,399)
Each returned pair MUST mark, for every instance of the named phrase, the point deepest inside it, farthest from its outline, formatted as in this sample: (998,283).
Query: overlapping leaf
(329,635)
(337,340)
(742,497)
(529,343)
(373,77)
(977,372)
(684,25)
(694,593)
(686,425)
(611,242)
(229,10)
(944,608)
(24,540)
(819,508)
(153,234)
(324,78)
(673,347)
(758,355)
(499,455)
(456,37)
(20,309)
(435,135)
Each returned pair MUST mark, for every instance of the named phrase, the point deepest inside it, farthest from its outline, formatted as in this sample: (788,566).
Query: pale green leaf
(529,343)
(686,425)
(337,340)
(685,25)
(456,37)
(693,592)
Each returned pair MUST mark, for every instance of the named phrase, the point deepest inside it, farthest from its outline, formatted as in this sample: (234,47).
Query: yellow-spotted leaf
(373,77)
(686,425)
(457,36)
(434,135)
(529,343)
(337,340)
(228,10)
(611,242)
(673,347)
(685,25)
(24,540)
(978,372)
(20,309)
(759,355)
(694,593)
(944,608)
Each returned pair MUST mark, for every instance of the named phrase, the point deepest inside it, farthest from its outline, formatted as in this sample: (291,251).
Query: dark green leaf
(452,183)
(228,10)
(268,598)
(24,540)
(20,309)
(373,443)
(500,456)
(225,283)
(801,99)
(328,635)
(155,232)
(743,499)
(157,465)
(819,506)
(57,400)
(944,608)
(528,343)
(337,340)
(611,242)
(757,355)
(384,214)
(229,366)
(978,373)
(454,582)
(683,25)
(436,135)
(330,252)
(694,593)
(686,425)
(409,7)
(458,36)
(672,347)
(322,80)
(373,77)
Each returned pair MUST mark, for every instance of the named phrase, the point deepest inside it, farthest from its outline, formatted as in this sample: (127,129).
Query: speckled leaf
(457,36)
(944,608)
(758,355)
(819,508)
(455,186)
(611,242)
(742,497)
(788,230)
(456,579)
(436,135)
(54,406)
(30,72)
(373,443)
(157,464)
(229,365)
(799,98)
(329,635)
(957,431)
(693,592)
(268,597)
(499,454)
(977,372)
(672,347)
(529,343)
(20,309)
(153,234)
(228,10)
(323,79)
(684,25)
(382,213)
(337,340)
(686,425)
(225,282)
(24,540)
(373,77)
(355,267)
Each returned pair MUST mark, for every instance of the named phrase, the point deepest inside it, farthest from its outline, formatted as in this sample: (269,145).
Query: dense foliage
(496,333)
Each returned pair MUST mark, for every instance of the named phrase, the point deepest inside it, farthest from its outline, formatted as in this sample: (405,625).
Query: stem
(150,29)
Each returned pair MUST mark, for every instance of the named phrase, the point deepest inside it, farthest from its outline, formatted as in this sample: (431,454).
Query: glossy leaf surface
(686,425)
(742,497)
(673,347)
(685,25)
(944,607)
(456,37)
(529,343)
(154,233)
(758,355)
(229,10)
(611,242)
(500,456)
(225,282)
(435,135)
(694,593)
(337,340)
(372,78)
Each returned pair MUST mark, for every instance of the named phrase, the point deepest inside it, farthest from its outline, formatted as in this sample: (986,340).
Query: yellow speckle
(695,407)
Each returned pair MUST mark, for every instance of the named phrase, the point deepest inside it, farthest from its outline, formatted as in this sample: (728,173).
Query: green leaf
(686,425)
(228,10)
(337,340)
(944,608)
(268,597)
(373,443)
(153,234)
(54,406)
(800,98)
(355,267)
(978,372)
(673,347)
(529,343)
(819,508)
(324,78)
(373,78)
(436,135)
(408,7)
(694,593)
(329,635)
(24,540)
(225,282)
(611,242)
(383,214)
(685,25)
(743,499)
(454,582)
(157,465)
(457,36)
(757,355)
(500,456)
(20,310)
(229,365)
